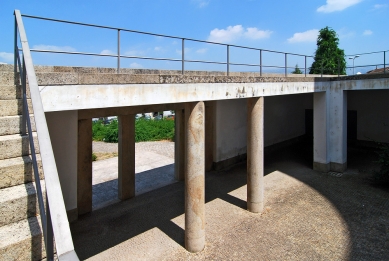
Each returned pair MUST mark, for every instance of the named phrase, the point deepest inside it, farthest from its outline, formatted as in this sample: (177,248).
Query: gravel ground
(309,216)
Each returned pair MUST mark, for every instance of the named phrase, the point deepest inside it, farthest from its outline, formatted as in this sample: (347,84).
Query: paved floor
(153,167)
(309,216)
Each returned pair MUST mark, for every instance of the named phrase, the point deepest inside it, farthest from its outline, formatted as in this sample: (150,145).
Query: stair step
(11,92)
(13,146)
(7,78)
(17,171)
(12,124)
(13,107)
(19,202)
(22,240)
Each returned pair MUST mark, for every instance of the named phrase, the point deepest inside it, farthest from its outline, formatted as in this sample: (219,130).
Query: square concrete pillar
(321,159)
(126,157)
(194,177)
(255,154)
(338,129)
(179,144)
(84,167)
(209,114)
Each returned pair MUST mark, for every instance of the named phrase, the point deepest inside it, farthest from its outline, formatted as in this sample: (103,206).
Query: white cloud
(379,6)
(307,36)
(136,66)
(2,63)
(337,5)
(54,48)
(157,48)
(106,51)
(6,57)
(201,3)
(202,50)
(232,33)
(254,33)
(367,32)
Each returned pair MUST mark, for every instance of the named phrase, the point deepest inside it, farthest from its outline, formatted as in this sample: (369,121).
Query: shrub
(145,130)
(94,157)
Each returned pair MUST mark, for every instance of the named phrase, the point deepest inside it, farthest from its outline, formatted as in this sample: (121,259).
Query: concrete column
(179,144)
(209,135)
(126,157)
(194,177)
(338,128)
(321,159)
(84,167)
(255,154)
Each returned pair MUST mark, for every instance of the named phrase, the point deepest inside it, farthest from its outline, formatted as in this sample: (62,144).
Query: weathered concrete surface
(194,176)
(22,240)
(84,167)
(19,202)
(309,216)
(126,161)
(13,107)
(17,171)
(12,124)
(255,154)
(179,144)
(15,146)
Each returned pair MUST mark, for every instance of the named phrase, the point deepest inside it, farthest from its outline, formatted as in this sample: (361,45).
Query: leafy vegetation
(145,130)
(297,70)
(329,59)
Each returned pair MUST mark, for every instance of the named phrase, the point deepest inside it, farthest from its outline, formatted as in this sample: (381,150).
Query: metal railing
(227,63)
(53,216)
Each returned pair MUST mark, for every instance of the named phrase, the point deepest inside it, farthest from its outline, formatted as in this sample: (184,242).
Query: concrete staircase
(20,228)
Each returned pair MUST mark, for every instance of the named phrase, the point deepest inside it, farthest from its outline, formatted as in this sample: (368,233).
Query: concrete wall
(63,130)
(372,108)
(284,120)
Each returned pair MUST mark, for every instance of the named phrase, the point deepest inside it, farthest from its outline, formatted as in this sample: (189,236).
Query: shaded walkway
(309,216)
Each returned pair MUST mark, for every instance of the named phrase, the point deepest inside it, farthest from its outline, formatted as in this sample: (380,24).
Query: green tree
(328,56)
(297,70)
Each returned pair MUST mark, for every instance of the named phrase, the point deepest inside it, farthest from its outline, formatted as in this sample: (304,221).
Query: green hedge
(145,130)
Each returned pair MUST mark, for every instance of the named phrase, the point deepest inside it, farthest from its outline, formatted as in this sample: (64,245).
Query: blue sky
(284,25)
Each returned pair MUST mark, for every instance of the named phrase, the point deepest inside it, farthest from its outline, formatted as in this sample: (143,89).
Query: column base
(72,214)
(338,167)
(322,167)
(195,245)
(255,207)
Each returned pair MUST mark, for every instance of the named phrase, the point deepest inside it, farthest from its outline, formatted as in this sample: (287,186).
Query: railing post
(384,61)
(49,234)
(228,60)
(118,66)
(23,76)
(286,65)
(305,65)
(183,56)
(260,62)
(15,50)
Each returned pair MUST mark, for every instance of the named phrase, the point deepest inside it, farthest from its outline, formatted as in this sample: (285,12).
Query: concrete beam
(78,97)
(194,177)
(126,157)
(84,167)
(105,112)
(255,154)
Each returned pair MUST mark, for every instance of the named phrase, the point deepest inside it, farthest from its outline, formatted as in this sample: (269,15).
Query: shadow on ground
(362,208)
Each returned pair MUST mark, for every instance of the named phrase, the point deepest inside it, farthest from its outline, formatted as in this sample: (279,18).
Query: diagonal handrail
(54,220)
